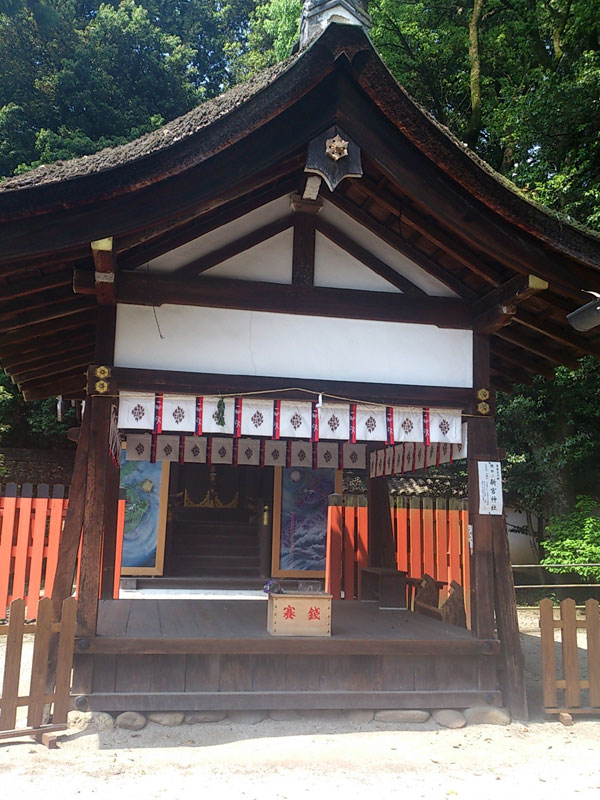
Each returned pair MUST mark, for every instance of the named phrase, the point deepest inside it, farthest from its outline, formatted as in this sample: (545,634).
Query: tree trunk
(474,128)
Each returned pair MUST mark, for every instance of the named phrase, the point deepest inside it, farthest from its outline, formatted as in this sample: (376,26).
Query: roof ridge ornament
(317,14)
(333,156)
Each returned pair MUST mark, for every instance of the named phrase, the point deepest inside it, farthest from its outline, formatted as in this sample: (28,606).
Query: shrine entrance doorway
(216,521)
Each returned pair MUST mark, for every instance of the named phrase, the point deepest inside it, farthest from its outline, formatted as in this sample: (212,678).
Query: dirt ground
(335,758)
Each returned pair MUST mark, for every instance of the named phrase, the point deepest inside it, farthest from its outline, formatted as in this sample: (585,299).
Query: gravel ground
(334,757)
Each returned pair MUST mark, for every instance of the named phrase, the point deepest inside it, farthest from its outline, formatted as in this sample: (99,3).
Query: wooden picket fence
(31,523)
(431,538)
(578,681)
(49,692)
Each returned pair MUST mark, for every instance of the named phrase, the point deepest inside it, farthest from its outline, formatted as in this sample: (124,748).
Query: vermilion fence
(431,538)
(31,522)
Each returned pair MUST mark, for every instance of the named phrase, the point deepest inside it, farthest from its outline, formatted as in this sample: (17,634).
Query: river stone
(401,715)
(169,719)
(359,716)
(487,715)
(131,721)
(99,720)
(196,717)
(449,718)
(247,717)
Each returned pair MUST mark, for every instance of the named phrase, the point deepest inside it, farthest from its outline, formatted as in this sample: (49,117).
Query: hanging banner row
(414,456)
(288,419)
(248,452)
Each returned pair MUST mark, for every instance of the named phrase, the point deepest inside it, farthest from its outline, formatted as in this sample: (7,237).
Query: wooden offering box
(299,614)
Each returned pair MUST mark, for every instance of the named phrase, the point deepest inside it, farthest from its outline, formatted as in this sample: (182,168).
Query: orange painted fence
(31,523)
(431,538)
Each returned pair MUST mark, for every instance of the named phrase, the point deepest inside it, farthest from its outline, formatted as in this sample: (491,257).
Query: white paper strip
(398,459)
(139,446)
(275,454)
(136,411)
(221,450)
(409,452)
(389,461)
(257,417)
(490,487)
(372,464)
(445,425)
(248,452)
(445,451)
(431,456)
(301,454)
(334,421)
(210,415)
(194,449)
(354,456)
(167,448)
(328,455)
(371,423)
(460,450)
(295,421)
(408,424)
(179,413)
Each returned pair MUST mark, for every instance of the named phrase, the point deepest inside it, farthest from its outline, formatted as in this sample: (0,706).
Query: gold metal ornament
(483,394)
(101,387)
(336,148)
(102,372)
(483,407)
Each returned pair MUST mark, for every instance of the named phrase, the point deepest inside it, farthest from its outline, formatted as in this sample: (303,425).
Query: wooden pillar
(481,447)
(102,489)
(492,577)
(382,552)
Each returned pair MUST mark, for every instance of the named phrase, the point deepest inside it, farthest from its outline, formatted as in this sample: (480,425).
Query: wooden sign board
(299,614)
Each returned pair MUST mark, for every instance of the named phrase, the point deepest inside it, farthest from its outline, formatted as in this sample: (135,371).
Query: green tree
(550,433)
(575,539)
(30,424)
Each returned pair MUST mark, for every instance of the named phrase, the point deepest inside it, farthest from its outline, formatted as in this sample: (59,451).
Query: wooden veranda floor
(177,654)
(241,620)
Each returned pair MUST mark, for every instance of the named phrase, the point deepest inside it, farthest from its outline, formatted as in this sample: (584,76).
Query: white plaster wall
(269,261)
(234,342)
(338,269)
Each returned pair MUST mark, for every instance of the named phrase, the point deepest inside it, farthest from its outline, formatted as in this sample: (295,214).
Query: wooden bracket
(100,382)
(105,270)
(497,308)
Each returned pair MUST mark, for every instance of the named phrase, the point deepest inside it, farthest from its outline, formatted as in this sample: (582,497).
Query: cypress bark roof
(437,200)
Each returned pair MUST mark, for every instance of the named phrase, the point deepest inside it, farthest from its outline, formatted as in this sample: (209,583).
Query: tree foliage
(550,433)
(574,539)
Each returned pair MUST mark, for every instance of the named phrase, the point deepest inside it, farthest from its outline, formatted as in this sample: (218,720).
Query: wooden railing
(431,538)
(31,523)
(49,678)
(574,689)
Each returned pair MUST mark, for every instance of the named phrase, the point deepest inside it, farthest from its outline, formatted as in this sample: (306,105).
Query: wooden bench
(384,584)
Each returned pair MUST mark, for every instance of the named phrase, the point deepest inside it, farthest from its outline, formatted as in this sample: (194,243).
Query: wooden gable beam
(152,289)
(231,249)
(538,348)
(562,335)
(497,308)
(17,367)
(105,264)
(77,318)
(157,242)
(402,245)
(35,285)
(367,258)
(427,228)
(303,248)
(47,314)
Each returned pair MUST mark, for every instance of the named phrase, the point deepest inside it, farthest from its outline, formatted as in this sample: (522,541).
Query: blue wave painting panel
(304,500)
(141,480)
